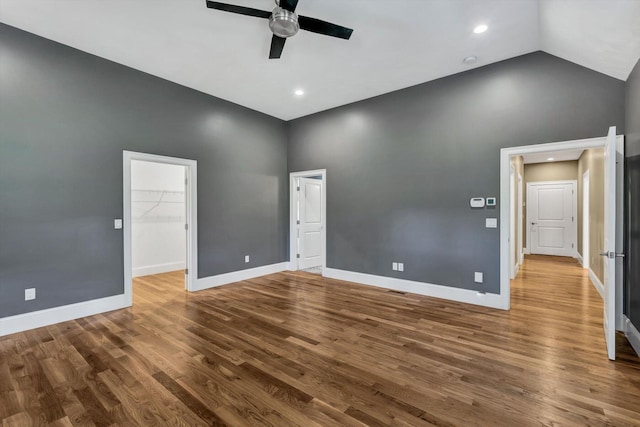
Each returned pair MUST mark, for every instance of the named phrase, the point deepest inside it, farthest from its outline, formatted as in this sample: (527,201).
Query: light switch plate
(491,223)
(117,224)
(477,277)
(400,266)
(29,294)
(394,266)
(246,258)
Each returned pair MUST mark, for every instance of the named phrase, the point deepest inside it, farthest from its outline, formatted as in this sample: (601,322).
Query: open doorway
(160,221)
(307,242)
(550,200)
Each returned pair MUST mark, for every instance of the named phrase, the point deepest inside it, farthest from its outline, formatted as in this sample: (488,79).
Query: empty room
(320,213)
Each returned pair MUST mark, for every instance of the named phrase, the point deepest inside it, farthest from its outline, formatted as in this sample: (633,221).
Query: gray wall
(632,172)
(65,118)
(402,167)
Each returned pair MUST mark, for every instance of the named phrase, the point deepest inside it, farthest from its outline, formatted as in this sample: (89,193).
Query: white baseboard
(516,269)
(237,276)
(632,334)
(579,257)
(596,283)
(526,251)
(49,316)
(157,269)
(437,291)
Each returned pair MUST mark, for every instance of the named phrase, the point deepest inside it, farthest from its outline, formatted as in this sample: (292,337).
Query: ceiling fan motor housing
(283,23)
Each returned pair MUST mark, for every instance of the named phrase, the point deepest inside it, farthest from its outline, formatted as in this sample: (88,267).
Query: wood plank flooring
(296,349)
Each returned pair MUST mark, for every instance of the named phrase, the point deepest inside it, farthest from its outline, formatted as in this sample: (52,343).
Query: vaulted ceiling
(395,44)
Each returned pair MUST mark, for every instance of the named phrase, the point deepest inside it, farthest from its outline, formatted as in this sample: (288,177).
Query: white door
(551,217)
(310,228)
(609,250)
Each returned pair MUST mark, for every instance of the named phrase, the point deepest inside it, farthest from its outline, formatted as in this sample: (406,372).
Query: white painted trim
(516,270)
(157,268)
(428,289)
(505,227)
(50,316)
(596,283)
(191,201)
(632,334)
(574,206)
(586,218)
(526,251)
(580,260)
(238,276)
(293,260)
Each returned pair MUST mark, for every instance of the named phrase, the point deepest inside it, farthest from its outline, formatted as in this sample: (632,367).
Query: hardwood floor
(298,349)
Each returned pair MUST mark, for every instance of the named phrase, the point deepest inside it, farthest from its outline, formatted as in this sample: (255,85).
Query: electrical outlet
(29,294)
(477,277)
(246,258)
(394,266)
(400,266)
(117,224)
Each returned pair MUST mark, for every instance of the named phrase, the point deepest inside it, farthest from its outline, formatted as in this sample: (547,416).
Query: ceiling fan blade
(290,5)
(238,9)
(277,44)
(323,27)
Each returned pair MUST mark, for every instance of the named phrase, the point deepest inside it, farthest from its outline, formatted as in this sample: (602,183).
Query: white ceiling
(395,44)
(557,156)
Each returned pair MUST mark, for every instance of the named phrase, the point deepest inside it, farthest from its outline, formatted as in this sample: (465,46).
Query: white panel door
(551,218)
(310,229)
(609,250)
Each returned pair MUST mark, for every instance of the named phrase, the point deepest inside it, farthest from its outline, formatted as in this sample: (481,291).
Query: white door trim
(505,227)
(520,225)
(512,219)
(293,260)
(574,206)
(191,201)
(586,219)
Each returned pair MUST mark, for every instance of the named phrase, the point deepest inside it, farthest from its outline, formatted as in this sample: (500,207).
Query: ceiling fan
(284,22)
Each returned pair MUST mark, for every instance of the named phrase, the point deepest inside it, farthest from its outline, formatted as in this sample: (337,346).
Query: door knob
(612,254)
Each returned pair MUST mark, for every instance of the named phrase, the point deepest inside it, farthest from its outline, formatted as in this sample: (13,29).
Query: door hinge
(572,246)
(298,222)
(186,181)
(298,188)
(186,226)
(298,256)
(571,219)
(186,271)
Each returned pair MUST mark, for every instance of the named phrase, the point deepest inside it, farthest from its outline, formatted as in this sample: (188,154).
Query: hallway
(294,348)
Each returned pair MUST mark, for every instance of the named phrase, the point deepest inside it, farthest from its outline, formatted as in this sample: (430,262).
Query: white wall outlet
(117,223)
(29,294)
(394,266)
(246,258)
(491,222)
(400,266)
(478,277)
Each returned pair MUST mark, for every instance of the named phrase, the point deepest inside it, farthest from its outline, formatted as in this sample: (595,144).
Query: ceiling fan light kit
(284,22)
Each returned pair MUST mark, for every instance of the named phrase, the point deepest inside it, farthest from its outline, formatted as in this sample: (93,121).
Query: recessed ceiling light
(298,92)
(550,159)
(480,29)
(470,59)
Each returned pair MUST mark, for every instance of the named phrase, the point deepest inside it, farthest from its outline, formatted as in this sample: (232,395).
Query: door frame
(586,219)
(191,217)
(513,255)
(520,224)
(293,247)
(574,207)
(505,227)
